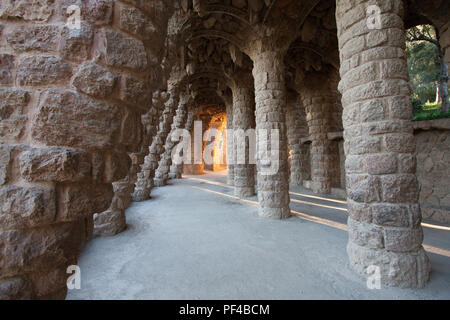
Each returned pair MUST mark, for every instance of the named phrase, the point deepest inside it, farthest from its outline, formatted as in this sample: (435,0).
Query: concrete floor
(193,240)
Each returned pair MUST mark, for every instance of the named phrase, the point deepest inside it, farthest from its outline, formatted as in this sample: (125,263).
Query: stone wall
(433,168)
(70,113)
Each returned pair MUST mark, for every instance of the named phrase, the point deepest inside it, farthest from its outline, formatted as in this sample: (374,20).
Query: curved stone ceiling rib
(229,10)
(213,34)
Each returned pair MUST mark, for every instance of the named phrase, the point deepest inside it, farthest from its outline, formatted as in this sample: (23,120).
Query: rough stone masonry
(91,89)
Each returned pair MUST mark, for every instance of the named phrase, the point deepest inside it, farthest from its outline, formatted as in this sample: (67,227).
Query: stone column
(198,168)
(230,163)
(243,120)
(113,221)
(176,169)
(384,216)
(270,97)
(162,173)
(145,181)
(320,97)
(297,128)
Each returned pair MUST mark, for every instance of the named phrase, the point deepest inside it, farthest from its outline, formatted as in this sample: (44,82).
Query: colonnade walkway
(195,240)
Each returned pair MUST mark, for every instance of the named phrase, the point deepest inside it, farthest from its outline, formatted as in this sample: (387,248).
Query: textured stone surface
(76,44)
(109,223)
(26,38)
(135,92)
(94,80)
(34,10)
(43,70)
(120,50)
(6,69)
(85,116)
(433,154)
(23,207)
(65,118)
(390,241)
(243,120)
(273,187)
(12,113)
(55,164)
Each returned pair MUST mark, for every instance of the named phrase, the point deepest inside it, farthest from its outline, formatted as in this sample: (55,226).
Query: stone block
(363,188)
(117,165)
(55,164)
(75,44)
(98,12)
(76,201)
(136,93)
(385,214)
(94,80)
(5,163)
(29,10)
(41,249)
(120,50)
(12,108)
(26,207)
(37,37)
(43,70)
(134,21)
(6,69)
(378,164)
(109,223)
(364,234)
(403,240)
(400,188)
(65,118)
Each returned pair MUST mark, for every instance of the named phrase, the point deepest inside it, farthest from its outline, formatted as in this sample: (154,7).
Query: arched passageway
(97,97)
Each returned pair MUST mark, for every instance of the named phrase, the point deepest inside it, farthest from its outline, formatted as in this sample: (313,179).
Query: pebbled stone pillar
(113,221)
(145,181)
(321,98)
(384,215)
(270,97)
(176,169)
(243,120)
(230,163)
(162,173)
(297,128)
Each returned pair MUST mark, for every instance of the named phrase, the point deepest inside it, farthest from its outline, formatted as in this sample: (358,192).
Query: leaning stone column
(270,97)
(145,181)
(243,119)
(230,163)
(384,216)
(176,169)
(297,128)
(113,221)
(162,173)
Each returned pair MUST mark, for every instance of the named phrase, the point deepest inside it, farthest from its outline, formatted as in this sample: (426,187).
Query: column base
(160,182)
(109,223)
(274,213)
(320,187)
(140,195)
(397,269)
(174,176)
(244,192)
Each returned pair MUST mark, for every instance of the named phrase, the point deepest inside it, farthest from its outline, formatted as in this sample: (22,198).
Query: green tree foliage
(424,68)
